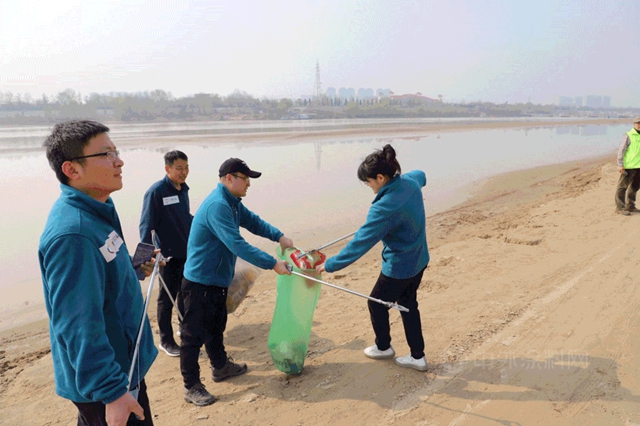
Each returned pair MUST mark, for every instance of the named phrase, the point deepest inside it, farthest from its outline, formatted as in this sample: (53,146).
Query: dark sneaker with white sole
(170,349)
(230,369)
(198,395)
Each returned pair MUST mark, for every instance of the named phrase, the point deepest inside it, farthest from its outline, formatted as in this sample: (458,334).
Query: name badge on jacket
(167,201)
(111,246)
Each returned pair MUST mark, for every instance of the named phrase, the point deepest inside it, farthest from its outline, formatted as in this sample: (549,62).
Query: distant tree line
(158,105)
(153,105)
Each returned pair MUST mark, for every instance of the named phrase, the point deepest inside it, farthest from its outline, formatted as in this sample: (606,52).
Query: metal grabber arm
(136,350)
(373,299)
(303,253)
(156,244)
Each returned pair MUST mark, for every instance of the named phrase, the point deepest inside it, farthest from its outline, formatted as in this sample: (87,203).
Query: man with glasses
(92,294)
(165,209)
(214,244)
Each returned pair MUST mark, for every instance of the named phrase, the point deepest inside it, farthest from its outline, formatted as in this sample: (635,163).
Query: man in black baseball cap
(214,245)
(235,165)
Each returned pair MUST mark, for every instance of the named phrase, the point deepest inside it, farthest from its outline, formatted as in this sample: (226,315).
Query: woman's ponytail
(380,162)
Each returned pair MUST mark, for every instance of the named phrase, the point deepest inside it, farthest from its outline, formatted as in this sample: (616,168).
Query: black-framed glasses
(246,178)
(111,155)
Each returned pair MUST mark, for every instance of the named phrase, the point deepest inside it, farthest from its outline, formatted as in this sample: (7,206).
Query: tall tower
(318,88)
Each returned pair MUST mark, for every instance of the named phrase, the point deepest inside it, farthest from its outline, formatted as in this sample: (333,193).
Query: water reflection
(586,130)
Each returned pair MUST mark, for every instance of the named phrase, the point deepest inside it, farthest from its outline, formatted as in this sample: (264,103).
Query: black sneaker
(230,369)
(170,349)
(199,396)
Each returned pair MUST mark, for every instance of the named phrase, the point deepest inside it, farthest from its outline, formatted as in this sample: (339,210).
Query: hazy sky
(468,50)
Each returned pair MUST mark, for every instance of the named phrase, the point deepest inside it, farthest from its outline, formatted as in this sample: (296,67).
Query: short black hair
(171,157)
(67,140)
(380,162)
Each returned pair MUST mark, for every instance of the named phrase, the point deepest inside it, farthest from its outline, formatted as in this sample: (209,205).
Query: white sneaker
(375,353)
(411,362)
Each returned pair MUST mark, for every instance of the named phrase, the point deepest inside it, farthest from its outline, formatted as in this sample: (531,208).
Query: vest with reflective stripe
(632,156)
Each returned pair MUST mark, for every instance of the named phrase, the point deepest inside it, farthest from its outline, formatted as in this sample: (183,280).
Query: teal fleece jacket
(215,241)
(93,299)
(396,218)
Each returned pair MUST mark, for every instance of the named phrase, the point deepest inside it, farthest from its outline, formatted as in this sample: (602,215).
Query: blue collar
(231,199)
(389,186)
(77,198)
(183,187)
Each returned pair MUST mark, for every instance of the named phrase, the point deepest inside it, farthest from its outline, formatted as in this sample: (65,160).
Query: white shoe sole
(415,367)
(199,403)
(167,352)
(373,356)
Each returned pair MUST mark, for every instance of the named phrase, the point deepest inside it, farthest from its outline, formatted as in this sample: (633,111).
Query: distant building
(606,101)
(362,93)
(565,101)
(594,101)
(349,93)
(365,93)
(412,99)
(577,101)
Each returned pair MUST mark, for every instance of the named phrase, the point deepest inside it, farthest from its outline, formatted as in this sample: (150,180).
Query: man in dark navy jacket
(165,209)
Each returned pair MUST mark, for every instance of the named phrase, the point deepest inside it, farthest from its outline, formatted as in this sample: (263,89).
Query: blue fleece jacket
(215,241)
(397,218)
(166,210)
(93,299)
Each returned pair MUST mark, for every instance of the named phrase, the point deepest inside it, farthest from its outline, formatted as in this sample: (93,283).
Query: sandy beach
(529,309)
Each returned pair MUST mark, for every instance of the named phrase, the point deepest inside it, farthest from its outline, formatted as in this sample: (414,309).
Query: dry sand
(530,312)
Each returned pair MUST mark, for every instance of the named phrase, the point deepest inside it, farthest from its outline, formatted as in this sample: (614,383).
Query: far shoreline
(376,128)
(373,129)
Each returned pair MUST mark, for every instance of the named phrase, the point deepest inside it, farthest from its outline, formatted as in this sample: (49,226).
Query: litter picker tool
(166,289)
(373,299)
(156,244)
(303,253)
(136,351)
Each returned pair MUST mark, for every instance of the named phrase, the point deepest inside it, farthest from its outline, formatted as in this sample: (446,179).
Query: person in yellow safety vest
(629,166)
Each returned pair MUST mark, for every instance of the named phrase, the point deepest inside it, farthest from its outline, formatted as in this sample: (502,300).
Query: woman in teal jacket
(396,218)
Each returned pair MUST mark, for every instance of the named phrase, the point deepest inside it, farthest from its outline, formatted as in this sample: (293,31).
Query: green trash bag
(291,326)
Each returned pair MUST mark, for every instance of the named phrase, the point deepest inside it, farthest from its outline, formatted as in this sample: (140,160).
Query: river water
(308,189)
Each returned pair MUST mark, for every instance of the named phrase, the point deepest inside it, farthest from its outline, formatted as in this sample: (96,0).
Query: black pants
(172,276)
(628,185)
(404,292)
(93,413)
(205,319)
